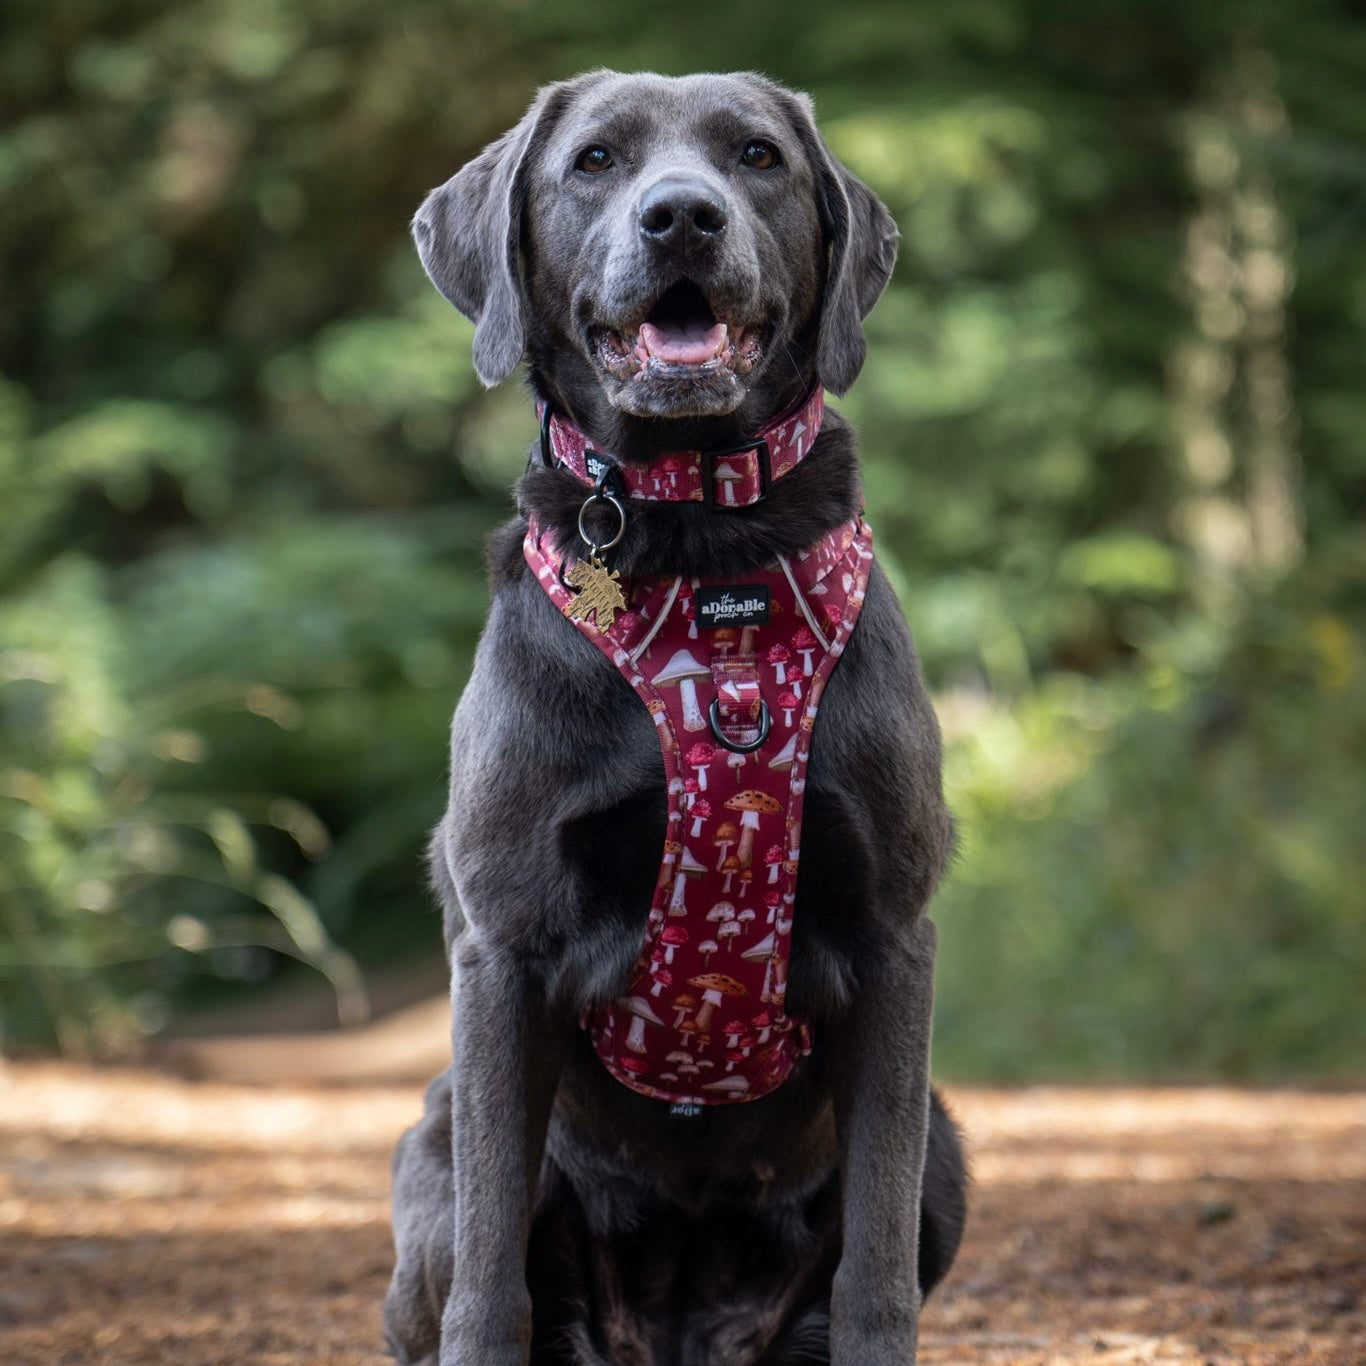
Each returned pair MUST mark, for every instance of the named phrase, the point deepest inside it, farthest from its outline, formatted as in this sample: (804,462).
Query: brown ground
(144,1220)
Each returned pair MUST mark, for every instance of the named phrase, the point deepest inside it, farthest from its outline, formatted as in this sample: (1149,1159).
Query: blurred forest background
(1112,418)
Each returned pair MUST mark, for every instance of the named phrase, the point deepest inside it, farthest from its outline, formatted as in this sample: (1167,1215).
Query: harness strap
(732,675)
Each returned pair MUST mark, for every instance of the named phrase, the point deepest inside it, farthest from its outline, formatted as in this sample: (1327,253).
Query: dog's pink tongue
(688,345)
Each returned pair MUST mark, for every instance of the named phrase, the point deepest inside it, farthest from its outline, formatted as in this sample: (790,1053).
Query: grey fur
(542,1211)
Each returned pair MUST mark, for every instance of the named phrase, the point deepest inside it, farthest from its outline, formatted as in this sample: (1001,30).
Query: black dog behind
(542,1211)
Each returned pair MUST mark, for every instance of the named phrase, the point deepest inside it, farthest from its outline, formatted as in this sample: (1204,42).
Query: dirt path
(146,1220)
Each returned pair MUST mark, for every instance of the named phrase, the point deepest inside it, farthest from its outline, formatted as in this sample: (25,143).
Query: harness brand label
(686,1109)
(742,605)
(595,465)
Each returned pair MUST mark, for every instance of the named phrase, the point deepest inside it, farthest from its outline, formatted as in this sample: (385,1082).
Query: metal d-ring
(602,496)
(714,716)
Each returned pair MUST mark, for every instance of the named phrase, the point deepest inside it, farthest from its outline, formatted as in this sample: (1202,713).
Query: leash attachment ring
(735,746)
(605,490)
(602,495)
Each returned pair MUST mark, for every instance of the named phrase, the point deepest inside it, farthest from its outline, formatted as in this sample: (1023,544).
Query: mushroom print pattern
(726,835)
(682,1004)
(683,671)
(639,1009)
(672,936)
(778,657)
(751,804)
(728,870)
(687,867)
(701,1018)
(773,858)
(700,757)
(715,987)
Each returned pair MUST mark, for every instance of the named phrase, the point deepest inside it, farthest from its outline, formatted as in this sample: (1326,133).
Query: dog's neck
(699,540)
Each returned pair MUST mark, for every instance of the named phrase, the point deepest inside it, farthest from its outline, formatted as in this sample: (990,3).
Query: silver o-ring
(596,546)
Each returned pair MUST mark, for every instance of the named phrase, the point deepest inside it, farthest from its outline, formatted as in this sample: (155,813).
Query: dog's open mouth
(680,337)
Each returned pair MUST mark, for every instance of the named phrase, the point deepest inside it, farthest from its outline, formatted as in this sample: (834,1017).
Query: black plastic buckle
(608,479)
(760,449)
(547,458)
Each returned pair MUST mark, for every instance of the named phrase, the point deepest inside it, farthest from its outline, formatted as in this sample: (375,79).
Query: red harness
(732,673)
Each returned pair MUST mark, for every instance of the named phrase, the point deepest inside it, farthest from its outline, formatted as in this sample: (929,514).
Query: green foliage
(1111,422)
(1190,830)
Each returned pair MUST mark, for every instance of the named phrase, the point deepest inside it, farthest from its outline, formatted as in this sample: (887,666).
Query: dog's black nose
(674,212)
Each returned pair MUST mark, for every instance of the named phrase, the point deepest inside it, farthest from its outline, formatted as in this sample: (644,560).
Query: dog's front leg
(507,1060)
(882,1105)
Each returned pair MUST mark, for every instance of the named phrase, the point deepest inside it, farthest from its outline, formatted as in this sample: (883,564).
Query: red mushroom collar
(730,477)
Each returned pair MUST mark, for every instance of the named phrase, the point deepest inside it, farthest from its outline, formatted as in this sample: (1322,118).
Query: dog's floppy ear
(469,236)
(861,239)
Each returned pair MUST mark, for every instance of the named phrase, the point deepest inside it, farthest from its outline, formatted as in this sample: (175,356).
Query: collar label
(743,604)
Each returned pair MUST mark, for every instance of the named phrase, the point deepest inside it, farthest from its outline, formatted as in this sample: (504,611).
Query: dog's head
(662,248)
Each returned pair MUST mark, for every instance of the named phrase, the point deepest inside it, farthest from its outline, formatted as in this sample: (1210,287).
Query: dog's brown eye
(594,160)
(760,156)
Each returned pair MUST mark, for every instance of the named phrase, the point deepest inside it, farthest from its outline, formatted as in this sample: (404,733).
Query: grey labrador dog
(542,1211)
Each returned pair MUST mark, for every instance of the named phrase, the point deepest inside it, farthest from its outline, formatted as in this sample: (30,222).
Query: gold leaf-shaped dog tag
(599,592)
